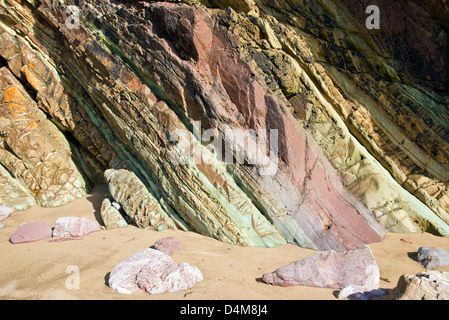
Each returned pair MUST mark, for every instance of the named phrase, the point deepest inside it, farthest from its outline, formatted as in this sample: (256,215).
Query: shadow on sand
(96,196)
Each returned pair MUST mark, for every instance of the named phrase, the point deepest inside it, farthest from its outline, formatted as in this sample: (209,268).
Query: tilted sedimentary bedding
(360,116)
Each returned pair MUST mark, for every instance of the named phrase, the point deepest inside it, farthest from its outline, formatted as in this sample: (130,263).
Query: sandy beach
(39,270)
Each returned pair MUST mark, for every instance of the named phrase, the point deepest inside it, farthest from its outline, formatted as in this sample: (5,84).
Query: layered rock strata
(361,124)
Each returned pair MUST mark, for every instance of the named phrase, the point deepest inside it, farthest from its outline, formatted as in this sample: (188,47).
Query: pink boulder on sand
(168,245)
(329,269)
(29,232)
(74,227)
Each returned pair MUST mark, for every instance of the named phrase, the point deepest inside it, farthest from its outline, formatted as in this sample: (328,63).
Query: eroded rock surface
(431,257)
(329,269)
(428,285)
(361,121)
(111,216)
(74,227)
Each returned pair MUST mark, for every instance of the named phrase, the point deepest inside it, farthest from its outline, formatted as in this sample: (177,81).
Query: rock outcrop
(111,216)
(137,202)
(335,132)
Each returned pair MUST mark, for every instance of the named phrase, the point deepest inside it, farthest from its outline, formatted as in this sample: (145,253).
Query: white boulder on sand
(74,227)
(154,272)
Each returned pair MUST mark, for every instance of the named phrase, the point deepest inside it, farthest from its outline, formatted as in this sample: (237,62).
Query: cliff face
(346,128)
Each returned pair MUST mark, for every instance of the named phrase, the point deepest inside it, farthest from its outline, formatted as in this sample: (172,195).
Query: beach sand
(41,270)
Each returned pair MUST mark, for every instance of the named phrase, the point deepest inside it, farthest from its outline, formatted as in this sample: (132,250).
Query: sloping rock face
(33,150)
(74,227)
(337,133)
(111,217)
(392,98)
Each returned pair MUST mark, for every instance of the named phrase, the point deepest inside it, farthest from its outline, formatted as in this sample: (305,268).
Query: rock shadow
(413,255)
(106,278)
(96,196)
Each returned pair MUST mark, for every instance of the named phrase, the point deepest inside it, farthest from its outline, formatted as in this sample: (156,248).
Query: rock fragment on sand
(432,257)
(29,232)
(5,212)
(329,269)
(112,218)
(154,272)
(74,227)
(168,245)
(359,293)
(428,285)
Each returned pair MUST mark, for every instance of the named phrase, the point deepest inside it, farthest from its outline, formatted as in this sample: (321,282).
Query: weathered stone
(74,227)
(137,202)
(431,257)
(362,128)
(396,153)
(428,285)
(329,269)
(168,245)
(13,194)
(33,150)
(112,218)
(30,232)
(154,272)
(5,212)
(156,279)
